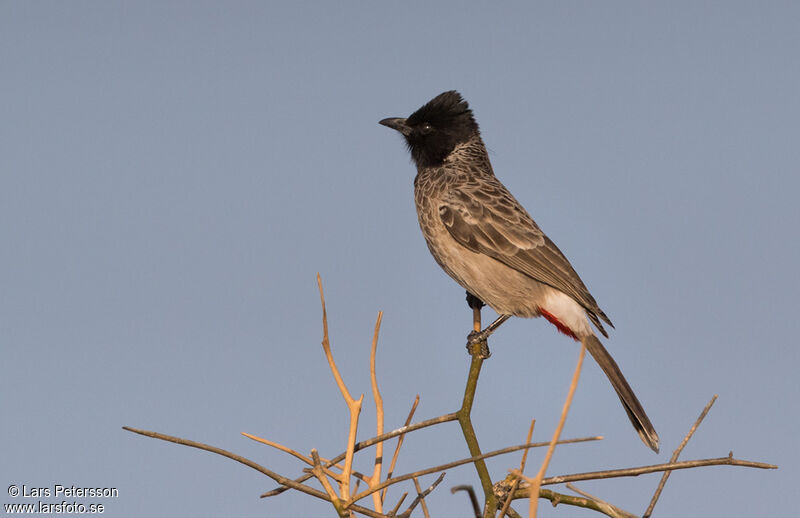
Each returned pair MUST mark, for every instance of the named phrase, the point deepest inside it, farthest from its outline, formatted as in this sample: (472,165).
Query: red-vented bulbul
(485,240)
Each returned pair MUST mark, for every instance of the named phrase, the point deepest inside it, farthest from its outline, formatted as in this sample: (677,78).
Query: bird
(484,239)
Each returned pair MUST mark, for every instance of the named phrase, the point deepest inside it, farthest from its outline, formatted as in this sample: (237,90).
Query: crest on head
(434,130)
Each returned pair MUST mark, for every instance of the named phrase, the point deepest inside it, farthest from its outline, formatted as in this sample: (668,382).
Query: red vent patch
(556,322)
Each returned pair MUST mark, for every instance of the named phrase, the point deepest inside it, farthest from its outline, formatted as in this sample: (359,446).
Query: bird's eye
(425,128)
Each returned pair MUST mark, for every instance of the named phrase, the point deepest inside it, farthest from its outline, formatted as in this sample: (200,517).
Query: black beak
(398,124)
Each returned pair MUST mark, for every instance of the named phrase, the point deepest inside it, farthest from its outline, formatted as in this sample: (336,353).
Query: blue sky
(174,175)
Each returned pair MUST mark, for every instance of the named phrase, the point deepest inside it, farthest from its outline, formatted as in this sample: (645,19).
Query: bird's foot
(478,344)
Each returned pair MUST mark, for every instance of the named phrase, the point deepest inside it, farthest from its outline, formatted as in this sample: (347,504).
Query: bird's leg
(481,349)
(480,338)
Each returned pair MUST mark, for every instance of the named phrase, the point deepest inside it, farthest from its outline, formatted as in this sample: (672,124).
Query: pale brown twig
(354,406)
(515,485)
(326,463)
(399,443)
(675,455)
(317,470)
(393,512)
(423,424)
(376,474)
(280,447)
(610,509)
(578,501)
(537,482)
(357,485)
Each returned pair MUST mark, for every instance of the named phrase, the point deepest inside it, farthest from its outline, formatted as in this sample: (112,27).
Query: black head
(434,130)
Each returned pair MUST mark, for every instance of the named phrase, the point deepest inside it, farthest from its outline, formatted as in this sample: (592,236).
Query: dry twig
(449,465)
(635,472)
(325,462)
(353,405)
(396,507)
(399,444)
(280,447)
(609,509)
(375,440)
(376,474)
(320,474)
(675,455)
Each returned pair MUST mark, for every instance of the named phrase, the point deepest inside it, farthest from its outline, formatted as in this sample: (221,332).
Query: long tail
(632,406)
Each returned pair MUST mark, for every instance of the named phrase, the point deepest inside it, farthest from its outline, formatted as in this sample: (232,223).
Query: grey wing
(488,220)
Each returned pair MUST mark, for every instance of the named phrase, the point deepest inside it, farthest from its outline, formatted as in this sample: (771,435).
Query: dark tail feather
(632,406)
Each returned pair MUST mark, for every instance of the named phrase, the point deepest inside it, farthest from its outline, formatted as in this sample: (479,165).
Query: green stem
(469,434)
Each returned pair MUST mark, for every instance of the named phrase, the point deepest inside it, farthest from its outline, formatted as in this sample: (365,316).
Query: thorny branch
(504,491)
(353,405)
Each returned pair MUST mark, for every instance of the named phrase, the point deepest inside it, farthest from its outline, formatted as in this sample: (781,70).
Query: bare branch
(354,406)
(675,455)
(300,456)
(375,440)
(358,484)
(577,501)
(337,504)
(635,472)
(399,443)
(376,394)
(393,512)
(249,463)
(610,508)
(456,463)
(280,447)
